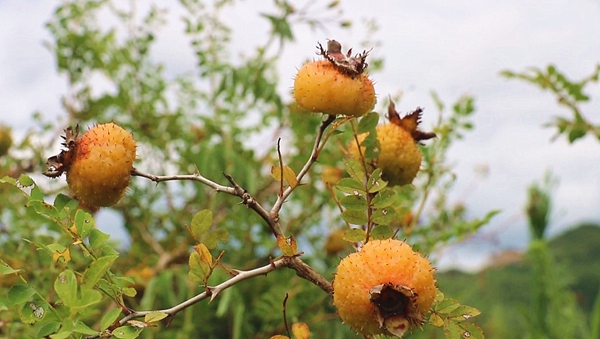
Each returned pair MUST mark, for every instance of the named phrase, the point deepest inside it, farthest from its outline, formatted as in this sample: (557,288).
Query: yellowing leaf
(301,330)
(287,246)
(288,175)
(279,336)
(66,255)
(153,317)
(205,255)
(436,320)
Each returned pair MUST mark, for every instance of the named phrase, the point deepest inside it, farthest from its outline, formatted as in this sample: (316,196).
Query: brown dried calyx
(58,164)
(347,64)
(396,308)
(410,122)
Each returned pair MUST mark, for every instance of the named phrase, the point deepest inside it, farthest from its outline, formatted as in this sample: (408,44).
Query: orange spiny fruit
(336,85)
(399,157)
(98,165)
(386,288)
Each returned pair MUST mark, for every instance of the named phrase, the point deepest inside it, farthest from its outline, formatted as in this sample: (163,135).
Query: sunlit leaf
(350,185)
(301,331)
(96,270)
(287,246)
(201,223)
(355,235)
(288,175)
(155,316)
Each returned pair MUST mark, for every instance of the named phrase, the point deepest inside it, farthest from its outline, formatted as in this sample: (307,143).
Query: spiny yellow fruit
(399,157)
(386,288)
(336,85)
(98,165)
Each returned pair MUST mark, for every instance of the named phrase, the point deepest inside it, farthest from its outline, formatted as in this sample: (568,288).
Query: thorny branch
(302,270)
(271,218)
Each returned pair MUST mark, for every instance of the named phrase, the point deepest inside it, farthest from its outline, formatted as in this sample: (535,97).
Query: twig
(302,270)
(193,177)
(314,154)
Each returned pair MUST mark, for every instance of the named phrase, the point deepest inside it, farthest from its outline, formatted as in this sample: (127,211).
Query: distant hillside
(503,291)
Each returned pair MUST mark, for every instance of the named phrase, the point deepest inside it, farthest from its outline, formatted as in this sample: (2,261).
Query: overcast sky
(453,48)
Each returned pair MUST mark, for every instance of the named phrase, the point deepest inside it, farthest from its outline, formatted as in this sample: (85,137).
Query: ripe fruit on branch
(386,288)
(399,157)
(336,85)
(98,165)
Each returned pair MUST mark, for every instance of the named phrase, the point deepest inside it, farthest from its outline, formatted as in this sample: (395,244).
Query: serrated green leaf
(84,223)
(155,316)
(65,286)
(382,232)
(97,238)
(383,216)
(354,217)
(355,235)
(354,202)
(452,330)
(82,328)
(126,332)
(96,270)
(354,168)
(371,146)
(199,270)
(201,223)
(463,312)
(351,185)
(385,198)
(375,183)
(109,318)
(446,306)
(19,294)
(43,208)
(368,123)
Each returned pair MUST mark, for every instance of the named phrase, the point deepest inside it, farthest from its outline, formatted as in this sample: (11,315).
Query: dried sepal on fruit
(399,157)
(98,164)
(335,85)
(386,288)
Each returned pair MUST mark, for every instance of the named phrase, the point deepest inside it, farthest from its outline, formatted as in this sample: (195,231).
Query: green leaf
(382,232)
(6,270)
(463,312)
(89,297)
(354,202)
(355,217)
(383,216)
(126,332)
(65,286)
(446,306)
(350,185)
(201,223)
(368,123)
(385,198)
(375,183)
(25,180)
(84,222)
(354,168)
(109,318)
(129,291)
(454,330)
(43,208)
(199,270)
(97,238)
(19,294)
(61,201)
(355,235)
(82,328)
(371,146)
(96,270)
(155,316)
(48,329)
